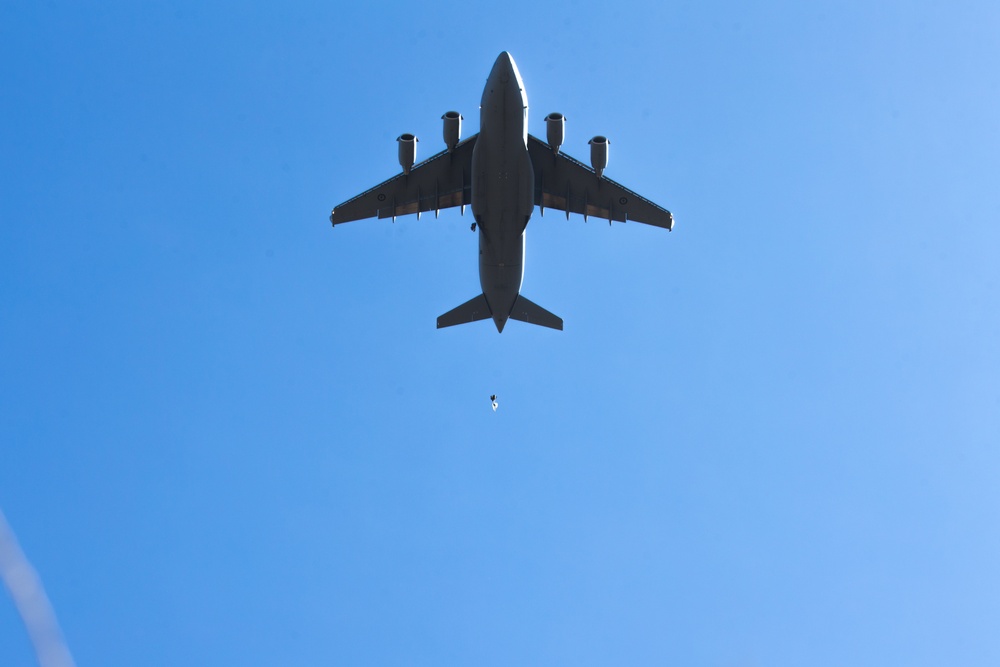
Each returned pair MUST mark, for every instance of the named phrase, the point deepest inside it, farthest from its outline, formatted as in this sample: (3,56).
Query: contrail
(29,597)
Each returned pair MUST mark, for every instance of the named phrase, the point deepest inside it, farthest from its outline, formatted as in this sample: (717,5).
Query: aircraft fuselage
(503,185)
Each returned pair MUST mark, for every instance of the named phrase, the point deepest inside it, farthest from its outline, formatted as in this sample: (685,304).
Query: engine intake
(407,151)
(599,154)
(555,130)
(452,129)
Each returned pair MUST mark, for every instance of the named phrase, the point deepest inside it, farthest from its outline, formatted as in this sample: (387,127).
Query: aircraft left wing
(441,181)
(564,183)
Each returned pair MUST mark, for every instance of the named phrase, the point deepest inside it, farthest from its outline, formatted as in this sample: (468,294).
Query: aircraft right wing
(441,181)
(564,183)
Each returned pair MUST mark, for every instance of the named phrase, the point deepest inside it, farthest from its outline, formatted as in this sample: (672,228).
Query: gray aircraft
(502,173)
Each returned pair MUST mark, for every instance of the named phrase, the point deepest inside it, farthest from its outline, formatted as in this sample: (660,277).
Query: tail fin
(526,311)
(473,310)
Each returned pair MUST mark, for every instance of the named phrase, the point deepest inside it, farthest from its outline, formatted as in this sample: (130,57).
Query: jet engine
(452,129)
(407,151)
(599,154)
(555,130)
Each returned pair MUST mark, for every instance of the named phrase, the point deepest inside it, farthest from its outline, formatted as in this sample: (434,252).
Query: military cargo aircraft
(502,173)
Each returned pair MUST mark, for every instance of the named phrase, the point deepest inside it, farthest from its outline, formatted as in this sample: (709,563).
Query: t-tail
(478,308)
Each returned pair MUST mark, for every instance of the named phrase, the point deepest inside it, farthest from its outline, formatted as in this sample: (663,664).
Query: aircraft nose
(504,66)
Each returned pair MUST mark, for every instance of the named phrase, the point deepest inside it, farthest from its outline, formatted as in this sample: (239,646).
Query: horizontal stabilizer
(532,313)
(473,310)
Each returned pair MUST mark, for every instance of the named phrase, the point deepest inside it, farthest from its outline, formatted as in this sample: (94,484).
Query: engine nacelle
(407,151)
(555,130)
(599,154)
(452,129)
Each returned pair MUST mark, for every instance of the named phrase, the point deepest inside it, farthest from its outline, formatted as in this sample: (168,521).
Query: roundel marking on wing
(623,200)
(381,196)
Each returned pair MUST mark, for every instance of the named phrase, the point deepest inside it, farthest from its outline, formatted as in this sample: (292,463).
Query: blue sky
(232,435)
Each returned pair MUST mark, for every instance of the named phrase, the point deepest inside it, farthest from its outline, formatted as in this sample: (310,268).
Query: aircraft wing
(564,183)
(441,181)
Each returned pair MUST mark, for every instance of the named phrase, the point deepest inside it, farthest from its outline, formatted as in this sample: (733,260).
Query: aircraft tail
(527,311)
(477,308)
(473,310)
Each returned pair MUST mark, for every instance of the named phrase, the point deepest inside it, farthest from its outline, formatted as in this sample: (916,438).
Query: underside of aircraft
(502,173)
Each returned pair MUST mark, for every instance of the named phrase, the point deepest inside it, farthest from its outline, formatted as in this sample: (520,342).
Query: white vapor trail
(29,597)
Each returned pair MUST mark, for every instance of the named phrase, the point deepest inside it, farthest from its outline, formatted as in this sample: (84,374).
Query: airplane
(502,173)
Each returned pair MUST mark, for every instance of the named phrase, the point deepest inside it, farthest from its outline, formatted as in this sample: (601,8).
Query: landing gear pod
(452,129)
(599,154)
(407,151)
(555,130)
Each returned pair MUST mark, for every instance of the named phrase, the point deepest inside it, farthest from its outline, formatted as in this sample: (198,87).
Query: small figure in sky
(493,401)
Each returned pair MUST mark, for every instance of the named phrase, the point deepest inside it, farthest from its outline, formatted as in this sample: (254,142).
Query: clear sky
(230,435)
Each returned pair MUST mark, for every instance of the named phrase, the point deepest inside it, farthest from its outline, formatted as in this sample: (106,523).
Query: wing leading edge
(566,184)
(441,181)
